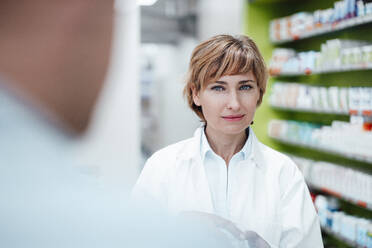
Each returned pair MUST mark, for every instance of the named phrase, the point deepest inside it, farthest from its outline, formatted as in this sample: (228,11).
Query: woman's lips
(233,117)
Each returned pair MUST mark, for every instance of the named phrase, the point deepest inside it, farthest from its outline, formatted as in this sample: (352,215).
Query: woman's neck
(225,145)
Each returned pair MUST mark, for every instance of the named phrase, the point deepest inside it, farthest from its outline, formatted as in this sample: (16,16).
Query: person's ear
(259,97)
(195,95)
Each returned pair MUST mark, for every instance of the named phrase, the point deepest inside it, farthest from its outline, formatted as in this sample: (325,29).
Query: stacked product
(352,185)
(344,14)
(341,54)
(345,183)
(360,101)
(356,230)
(311,98)
(288,61)
(343,138)
(334,55)
(346,100)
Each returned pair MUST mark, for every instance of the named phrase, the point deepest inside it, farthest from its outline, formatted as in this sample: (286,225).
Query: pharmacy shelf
(345,69)
(345,24)
(328,191)
(329,231)
(326,150)
(340,196)
(278,107)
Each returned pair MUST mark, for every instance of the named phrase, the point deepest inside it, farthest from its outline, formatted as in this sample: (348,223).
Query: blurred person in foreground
(54,56)
(224,173)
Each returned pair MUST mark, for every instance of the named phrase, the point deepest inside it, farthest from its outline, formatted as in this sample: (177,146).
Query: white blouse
(262,191)
(220,177)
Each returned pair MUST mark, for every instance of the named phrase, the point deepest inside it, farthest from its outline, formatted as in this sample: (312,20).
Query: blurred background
(318,105)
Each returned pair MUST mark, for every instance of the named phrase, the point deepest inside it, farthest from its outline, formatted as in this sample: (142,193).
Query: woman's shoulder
(273,157)
(281,167)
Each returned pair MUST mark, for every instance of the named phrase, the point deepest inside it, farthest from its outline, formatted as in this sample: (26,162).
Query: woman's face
(229,103)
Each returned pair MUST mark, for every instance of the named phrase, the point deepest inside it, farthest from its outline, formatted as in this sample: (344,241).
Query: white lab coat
(271,197)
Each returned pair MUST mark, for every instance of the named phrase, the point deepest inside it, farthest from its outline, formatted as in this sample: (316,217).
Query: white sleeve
(300,224)
(152,184)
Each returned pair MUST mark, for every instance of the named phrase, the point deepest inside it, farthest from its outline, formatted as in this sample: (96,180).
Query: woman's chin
(235,130)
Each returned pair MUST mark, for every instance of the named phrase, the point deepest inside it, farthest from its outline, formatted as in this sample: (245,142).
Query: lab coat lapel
(256,153)
(199,191)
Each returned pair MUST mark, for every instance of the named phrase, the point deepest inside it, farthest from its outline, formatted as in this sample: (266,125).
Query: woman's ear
(195,95)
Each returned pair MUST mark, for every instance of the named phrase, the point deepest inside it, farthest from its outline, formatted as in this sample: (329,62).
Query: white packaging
(360,8)
(345,58)
(368,8)
(321,205)
(273,34)
(357,60)
(351,235)
(361,230)
(337,221)
(275,94)
(365,100)
(334,99)
(298,24)
(316,18)
(354,100)
(369,235)
(283,28)
(344,100)
(315,97)
(366,55)
(324,99)
(327,16)
(277,128)
(304,99)
(292,96)
(335,53)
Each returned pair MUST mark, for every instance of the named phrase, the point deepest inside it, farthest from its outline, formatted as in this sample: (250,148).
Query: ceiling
(167,21)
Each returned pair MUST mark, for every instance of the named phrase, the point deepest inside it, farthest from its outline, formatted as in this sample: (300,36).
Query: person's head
(227,78)
(57,52)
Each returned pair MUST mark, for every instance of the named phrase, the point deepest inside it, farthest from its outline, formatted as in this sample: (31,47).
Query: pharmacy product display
(302,97)
(346,139)
(345,94)
(360,101)
(351,185)
(344,14)
(334,100)
(334,55)
(356,231)
(344,183)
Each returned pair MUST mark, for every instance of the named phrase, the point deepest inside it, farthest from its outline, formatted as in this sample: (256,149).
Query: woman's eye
(245,87)
(218,88)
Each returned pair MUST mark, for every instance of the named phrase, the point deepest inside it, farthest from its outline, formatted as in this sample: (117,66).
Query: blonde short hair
(223,55)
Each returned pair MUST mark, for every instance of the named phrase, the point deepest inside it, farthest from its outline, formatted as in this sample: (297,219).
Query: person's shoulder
(282,168)
(273,154)
(277,159)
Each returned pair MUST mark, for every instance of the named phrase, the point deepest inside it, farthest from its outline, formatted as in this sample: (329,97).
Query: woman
(224,170)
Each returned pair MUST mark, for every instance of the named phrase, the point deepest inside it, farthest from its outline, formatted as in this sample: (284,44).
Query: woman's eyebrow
(220,82)
(247,81)
(240,82)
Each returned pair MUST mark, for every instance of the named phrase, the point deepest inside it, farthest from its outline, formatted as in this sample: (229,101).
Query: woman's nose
(233,102)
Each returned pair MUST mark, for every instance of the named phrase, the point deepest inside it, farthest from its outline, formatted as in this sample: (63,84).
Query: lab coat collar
(205,147)
(192,149)
(256,154)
